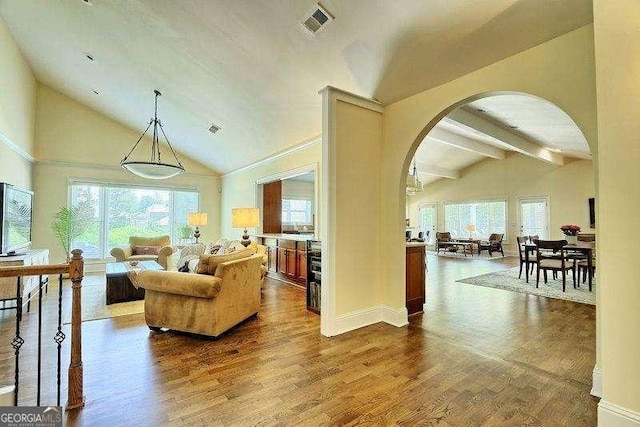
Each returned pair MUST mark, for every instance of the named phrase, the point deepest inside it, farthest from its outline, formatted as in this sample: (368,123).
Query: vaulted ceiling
(250,67)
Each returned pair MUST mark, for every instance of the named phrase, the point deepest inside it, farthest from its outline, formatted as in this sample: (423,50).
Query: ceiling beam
(454,140)
(438,171)
(522,145)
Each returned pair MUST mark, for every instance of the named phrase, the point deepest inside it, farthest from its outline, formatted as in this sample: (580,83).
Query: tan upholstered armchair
(145,248)
(206,304)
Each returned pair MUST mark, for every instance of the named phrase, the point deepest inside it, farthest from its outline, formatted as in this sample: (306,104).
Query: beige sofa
(202,303)
(190,255)
(160,244)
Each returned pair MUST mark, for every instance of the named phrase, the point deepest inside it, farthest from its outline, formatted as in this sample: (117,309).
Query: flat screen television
(15,219)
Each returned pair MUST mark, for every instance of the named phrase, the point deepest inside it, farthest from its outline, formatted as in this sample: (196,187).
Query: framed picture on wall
(592,212)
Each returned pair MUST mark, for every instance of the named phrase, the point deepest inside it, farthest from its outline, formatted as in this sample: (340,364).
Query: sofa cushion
(145,250)
(209,263)
(142,258)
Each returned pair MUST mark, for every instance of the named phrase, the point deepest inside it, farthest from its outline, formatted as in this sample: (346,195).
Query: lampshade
(155,168)
(471,227)
(245,217)
(198,218)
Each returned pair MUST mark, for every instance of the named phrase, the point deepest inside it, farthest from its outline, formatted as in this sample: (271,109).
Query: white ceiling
(538,121)
(249,67)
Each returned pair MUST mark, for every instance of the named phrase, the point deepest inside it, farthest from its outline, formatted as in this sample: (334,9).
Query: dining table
(585,248)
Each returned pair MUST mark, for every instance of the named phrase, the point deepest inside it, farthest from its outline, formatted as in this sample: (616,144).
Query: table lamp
(197,219)
(471,228)
(245,218)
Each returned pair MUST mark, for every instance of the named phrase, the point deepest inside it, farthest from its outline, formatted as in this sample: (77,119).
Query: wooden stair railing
(75,269)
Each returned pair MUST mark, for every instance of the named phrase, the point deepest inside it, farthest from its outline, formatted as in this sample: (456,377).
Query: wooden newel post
(75,392)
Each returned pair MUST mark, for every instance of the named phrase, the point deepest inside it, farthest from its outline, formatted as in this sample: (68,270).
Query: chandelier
(414,185)
(154,168)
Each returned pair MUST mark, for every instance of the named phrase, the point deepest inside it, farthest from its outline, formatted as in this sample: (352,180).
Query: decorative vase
(572,240)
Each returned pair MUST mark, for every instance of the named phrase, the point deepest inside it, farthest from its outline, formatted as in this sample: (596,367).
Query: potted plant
(70,222)
(184,233)
(571,232)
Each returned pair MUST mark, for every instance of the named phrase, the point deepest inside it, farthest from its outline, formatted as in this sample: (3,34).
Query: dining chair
(550,255)
(523,257)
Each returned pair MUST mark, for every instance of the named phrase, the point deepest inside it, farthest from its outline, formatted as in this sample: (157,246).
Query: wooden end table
(119,287)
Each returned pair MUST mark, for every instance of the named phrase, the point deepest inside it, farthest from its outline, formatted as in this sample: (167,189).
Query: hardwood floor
(478,356)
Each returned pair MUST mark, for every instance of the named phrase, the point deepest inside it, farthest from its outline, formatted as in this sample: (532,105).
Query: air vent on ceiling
(316,19)
(214,128)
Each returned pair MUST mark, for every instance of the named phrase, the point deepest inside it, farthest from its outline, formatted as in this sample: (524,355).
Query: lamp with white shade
(471,228)
(197,219)
(245,218)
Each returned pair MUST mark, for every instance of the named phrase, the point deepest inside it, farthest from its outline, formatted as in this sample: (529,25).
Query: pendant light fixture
(414,185)
(154,168)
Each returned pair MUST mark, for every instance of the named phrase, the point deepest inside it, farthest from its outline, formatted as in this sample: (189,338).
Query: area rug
(94,305)
(460,255)
(508,280)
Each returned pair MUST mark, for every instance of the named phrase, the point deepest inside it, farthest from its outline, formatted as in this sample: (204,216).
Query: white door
(534,217)
(429,221)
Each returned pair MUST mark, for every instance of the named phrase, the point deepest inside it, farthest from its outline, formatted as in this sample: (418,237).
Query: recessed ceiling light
(214,128)
(513,126)
(481,110)
(90,57)
(88,2)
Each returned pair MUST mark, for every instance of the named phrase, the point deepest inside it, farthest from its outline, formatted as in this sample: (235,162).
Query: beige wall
(74,141)
(239,189)
(17,112)
(617,54)
(568,187)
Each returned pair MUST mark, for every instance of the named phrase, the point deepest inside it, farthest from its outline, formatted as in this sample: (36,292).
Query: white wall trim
(596,389)
(610,415)
(55,163)
(17,149)
(394,316)
(352,98)
(303,145)
(291,173)
(368,316)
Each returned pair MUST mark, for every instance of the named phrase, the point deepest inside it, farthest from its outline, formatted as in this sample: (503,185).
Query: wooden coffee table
(119,287)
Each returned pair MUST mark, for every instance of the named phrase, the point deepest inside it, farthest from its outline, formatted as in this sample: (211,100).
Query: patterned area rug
(94,305)
(508,280)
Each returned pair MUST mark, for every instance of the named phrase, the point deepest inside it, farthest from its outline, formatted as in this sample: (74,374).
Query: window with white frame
(487,216)
(296,210)
(123,211)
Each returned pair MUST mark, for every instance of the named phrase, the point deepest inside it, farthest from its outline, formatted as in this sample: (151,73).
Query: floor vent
(317,19)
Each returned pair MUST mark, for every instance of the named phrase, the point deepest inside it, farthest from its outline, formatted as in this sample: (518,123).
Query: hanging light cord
(155,145)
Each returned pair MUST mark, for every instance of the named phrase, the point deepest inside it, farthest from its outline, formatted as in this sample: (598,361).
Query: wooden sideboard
(29,284)
(416,277)
(286,256)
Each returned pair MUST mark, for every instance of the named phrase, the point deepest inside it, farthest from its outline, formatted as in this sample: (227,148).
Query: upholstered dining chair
(550,255)
(494,244)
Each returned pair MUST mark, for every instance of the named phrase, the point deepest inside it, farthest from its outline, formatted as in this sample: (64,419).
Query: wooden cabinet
(286,258)
(301,265)
(416,277)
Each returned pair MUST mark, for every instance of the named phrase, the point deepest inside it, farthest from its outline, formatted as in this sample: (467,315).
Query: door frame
(532,199)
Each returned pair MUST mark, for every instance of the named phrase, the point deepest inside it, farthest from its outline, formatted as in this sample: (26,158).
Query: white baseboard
(596,388)
(610,415)
(395,317)
(368,316)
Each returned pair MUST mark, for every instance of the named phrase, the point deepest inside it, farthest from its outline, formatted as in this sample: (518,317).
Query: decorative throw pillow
(215,249)
(145,250)
(209,263)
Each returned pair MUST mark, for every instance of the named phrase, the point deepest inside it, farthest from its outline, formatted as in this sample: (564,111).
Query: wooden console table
(29,284)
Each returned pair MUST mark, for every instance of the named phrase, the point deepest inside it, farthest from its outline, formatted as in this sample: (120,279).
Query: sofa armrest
(174,282)
(121,253)
(163,256)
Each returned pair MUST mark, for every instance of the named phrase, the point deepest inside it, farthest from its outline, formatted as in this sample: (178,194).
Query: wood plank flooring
(477,357)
